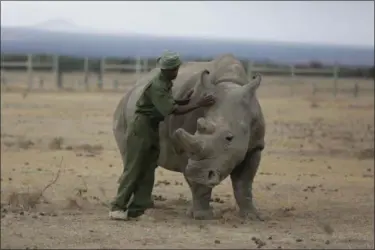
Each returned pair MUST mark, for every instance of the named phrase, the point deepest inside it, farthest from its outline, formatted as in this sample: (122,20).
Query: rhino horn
(205,127)
(250,88)
(190,143)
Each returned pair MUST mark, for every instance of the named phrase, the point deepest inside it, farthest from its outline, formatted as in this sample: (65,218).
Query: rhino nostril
(229,138)
(211,174)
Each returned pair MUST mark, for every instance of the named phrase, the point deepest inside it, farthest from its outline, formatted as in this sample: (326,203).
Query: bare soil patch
(315,185)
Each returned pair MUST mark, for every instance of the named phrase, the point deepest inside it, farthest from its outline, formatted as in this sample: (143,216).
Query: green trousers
(140,162)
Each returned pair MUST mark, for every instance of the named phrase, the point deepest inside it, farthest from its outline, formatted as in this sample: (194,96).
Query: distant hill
(64,38)
(60,25)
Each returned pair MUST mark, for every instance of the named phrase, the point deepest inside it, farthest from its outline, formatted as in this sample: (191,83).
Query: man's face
(171,74)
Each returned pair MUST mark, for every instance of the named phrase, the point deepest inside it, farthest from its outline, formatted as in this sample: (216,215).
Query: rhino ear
(203,83)
(250,89)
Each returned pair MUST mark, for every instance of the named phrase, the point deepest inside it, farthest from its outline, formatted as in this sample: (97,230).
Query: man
(142,141)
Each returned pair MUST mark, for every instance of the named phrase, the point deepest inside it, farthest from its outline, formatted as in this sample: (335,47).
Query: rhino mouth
(200,172)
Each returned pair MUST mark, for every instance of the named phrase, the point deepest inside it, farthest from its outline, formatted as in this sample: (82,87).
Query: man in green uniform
(142,141)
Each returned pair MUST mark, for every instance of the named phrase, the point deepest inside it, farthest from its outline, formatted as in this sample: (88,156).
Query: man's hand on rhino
(206,101)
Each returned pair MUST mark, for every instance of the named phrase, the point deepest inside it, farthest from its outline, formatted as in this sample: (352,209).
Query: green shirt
(157,100)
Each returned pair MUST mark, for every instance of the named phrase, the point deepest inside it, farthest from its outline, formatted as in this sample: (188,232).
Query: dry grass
(25,201)
(314,187)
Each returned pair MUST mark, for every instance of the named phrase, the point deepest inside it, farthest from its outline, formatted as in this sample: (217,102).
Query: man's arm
(205,101)
(164,102)
(182,101)
(184,109)
(186,100)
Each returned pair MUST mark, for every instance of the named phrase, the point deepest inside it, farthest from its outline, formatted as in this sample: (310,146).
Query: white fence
(141,66)
(30,65)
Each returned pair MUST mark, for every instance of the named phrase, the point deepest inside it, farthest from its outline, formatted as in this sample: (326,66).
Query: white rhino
(211,143)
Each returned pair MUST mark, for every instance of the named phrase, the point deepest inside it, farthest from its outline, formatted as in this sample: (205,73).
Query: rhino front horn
(188,142)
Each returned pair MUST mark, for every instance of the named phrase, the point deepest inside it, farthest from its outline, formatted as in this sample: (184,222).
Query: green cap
(169,60)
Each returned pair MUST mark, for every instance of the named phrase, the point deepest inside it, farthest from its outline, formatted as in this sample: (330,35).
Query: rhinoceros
(211,143)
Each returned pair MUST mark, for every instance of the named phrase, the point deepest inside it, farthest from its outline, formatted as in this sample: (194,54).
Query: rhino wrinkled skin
(208,144)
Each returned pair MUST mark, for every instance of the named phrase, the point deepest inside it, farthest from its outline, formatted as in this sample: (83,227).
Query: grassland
(315,185)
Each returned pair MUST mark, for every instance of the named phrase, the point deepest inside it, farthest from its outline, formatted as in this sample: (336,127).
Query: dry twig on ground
(28,200)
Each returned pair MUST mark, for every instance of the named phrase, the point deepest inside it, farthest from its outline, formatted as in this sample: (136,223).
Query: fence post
(115,84)
(56,69)
(356,89)
(41,82)
(3,78)
(145,65)
(315,90)
(29,71)
(249,69)
(138,67)
(335,79)
(86,73)
(101,74)
(292,76)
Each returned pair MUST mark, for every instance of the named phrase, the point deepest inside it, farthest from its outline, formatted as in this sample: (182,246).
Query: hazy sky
(335,22)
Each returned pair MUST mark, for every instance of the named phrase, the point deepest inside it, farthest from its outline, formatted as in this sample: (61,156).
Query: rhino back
(136,92)
(126,107)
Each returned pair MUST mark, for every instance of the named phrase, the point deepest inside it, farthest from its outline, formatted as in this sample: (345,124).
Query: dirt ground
(315,186)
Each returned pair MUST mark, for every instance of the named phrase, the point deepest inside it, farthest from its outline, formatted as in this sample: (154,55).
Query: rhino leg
(242,181)
(200,209)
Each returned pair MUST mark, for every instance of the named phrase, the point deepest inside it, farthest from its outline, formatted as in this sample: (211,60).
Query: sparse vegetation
(315,180)
(25,201)
(56,143)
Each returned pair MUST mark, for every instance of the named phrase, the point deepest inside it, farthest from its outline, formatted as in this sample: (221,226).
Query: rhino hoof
(251,215)
(201,214)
